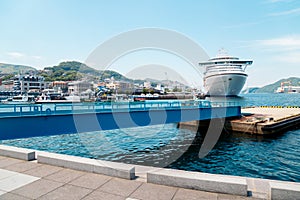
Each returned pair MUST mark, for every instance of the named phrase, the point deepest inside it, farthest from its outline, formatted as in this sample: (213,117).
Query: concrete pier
(255,120)
(265,120)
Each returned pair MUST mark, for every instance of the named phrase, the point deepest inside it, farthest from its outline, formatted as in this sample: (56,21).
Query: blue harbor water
(272,157)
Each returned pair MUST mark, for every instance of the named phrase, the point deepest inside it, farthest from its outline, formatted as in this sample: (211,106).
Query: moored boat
(224,75)
(51,98)
(19,99)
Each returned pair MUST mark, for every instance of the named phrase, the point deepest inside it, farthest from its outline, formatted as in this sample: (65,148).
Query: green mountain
(14,69)
(64,71)
(271,88)
(73,66)
(73,70)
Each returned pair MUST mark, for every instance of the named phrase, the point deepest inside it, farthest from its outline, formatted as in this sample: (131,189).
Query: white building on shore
(78,87)
(26,83)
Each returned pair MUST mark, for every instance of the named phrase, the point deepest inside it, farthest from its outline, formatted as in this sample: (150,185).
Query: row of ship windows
(224,70)
(224,66)
(231,68)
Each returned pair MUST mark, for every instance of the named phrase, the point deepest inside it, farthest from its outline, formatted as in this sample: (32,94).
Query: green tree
(8,77)
(145,90)
(176,89)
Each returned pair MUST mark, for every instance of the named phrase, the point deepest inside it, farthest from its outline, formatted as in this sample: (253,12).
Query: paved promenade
(30,180)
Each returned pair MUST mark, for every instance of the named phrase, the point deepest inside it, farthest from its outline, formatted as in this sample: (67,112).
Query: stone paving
(31,180)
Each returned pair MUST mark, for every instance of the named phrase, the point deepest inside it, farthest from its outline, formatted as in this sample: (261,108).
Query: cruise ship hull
(229,84)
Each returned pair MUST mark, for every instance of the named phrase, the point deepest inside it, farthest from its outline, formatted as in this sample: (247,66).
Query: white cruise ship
(224,75)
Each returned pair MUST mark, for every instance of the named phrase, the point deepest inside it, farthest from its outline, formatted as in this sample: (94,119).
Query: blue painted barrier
(19,121)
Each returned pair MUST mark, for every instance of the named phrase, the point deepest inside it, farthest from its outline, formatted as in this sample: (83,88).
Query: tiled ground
(10,180)
(30,180)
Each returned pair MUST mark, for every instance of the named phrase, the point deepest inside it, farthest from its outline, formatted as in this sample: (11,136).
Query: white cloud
(21,56)
(284,49)
(16,54)
(287,12)
(277,57)
(246,24)
(15,57)
(278,1)
(290,57)
(290,41)
(36,57)
(285,43)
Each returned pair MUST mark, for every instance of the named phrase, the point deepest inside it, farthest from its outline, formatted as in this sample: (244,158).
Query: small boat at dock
(19,99)
(51,98)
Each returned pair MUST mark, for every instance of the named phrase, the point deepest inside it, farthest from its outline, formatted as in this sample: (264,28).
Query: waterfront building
(7,85)
(125,87)
(60,85)
(25,83)
(147,85)
(112,85)
(108,80)
(78,87)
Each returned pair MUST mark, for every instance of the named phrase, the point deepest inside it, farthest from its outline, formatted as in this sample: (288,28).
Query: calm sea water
(273,157)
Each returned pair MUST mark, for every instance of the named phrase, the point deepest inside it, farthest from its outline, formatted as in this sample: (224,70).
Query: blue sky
(43,33)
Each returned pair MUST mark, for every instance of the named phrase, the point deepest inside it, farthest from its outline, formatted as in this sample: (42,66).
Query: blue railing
(14,110)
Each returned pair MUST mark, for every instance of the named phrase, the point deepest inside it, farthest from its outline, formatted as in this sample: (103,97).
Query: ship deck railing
(17,110)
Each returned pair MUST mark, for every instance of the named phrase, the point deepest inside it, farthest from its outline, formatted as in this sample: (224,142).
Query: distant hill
(271,88)
(73,66)
(250,90)
(64,71)
(14,69)
(73,70)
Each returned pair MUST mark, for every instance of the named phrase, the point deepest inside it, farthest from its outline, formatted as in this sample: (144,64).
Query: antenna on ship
(222,52)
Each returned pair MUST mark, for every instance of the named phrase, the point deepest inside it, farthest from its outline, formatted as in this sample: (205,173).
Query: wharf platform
(265,120)
(255,120)
(41,178)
